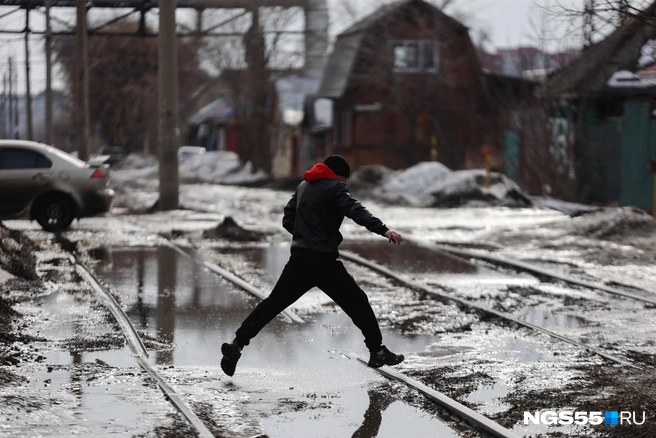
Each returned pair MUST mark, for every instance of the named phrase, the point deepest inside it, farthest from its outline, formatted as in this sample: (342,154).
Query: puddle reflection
(373,417)
(548,319)
(166,292)
(170,298)
(409,258)
(104,402)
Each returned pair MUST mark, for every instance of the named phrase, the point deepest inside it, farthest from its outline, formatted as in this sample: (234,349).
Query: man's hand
(393,237)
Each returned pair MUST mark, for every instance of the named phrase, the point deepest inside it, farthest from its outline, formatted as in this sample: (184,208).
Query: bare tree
(597,18)
(123,82)
(262,48)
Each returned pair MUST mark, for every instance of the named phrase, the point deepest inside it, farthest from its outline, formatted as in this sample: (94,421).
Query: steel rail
(470,416)
(531,268)
(421,288)
(138,348)
(233,278)
(288,314)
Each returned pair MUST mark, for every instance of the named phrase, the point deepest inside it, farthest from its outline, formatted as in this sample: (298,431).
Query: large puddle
(411,259)
(84,382)
(285,370)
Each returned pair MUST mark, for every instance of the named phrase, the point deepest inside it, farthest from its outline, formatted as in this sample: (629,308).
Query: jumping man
(313,217)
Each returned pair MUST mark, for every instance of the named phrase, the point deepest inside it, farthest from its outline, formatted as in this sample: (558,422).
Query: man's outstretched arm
(352,208)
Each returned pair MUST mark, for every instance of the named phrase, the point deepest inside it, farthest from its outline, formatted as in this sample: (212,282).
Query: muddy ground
(611,241)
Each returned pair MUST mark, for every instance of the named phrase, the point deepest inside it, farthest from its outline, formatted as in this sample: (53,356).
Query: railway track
(533,269)
(469,416)
(136,344)
(453,406)
(450,404)
(475,307)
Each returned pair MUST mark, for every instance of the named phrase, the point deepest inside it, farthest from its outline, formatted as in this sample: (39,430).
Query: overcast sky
(509,23)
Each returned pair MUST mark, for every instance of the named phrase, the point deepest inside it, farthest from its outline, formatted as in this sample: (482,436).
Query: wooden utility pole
(169,132)
(28,92)
(81,82)
(48,136)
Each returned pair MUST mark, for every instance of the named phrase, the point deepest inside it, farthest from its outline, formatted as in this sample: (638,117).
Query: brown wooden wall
(450,104)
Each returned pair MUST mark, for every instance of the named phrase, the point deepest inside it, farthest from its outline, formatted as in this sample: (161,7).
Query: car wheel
(54,213)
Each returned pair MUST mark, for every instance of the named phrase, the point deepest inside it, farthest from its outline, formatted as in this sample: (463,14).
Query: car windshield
(66,157)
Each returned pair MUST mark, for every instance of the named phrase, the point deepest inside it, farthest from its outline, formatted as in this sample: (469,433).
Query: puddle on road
(549,320)
(430,265)
(410,259)
(506,345)
(489,398)
(192,311)
(71,390)
(86,398)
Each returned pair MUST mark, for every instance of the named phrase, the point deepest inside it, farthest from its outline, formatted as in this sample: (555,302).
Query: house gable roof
(340,64)
(591,70)
(347,46)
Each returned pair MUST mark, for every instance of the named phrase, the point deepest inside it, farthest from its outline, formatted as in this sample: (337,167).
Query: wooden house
(406,87)
(603,119)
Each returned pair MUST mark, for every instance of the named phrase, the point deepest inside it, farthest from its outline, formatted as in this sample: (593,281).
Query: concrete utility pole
(169,132)
(588,23)
(13,103)
(4,106)
(28,92)
(48,136)
(81,82)
(9,133)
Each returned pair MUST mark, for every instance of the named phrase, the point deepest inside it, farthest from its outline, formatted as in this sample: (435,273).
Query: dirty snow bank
(16,254)
(623,225)
(569,208)
(613,244)
(221,167)
(367,178)
(432,184)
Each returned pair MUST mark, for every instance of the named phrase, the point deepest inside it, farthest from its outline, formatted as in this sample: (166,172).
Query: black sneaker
(231,354)
(386,357)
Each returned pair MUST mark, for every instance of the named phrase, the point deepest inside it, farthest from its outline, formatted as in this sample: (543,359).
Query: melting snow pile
(17,255)
(221,167)
(569,208)
(431,184)
(623,225)
(367,178)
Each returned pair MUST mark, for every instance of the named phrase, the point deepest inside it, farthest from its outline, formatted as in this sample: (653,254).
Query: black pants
(303,271)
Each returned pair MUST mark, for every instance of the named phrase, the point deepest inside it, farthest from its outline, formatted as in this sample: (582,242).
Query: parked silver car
(41,182)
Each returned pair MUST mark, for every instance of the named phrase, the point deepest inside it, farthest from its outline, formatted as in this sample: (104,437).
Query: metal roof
(348,43)
(340,64)
(216,109)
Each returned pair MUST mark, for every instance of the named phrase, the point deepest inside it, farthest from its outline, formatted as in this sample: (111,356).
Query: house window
(415,55)
(406,56)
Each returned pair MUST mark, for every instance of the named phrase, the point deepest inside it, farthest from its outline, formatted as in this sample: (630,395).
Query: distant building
(601,107)
(405,86)
(528,62)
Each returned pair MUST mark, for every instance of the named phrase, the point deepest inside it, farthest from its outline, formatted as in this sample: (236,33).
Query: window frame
(421,58)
